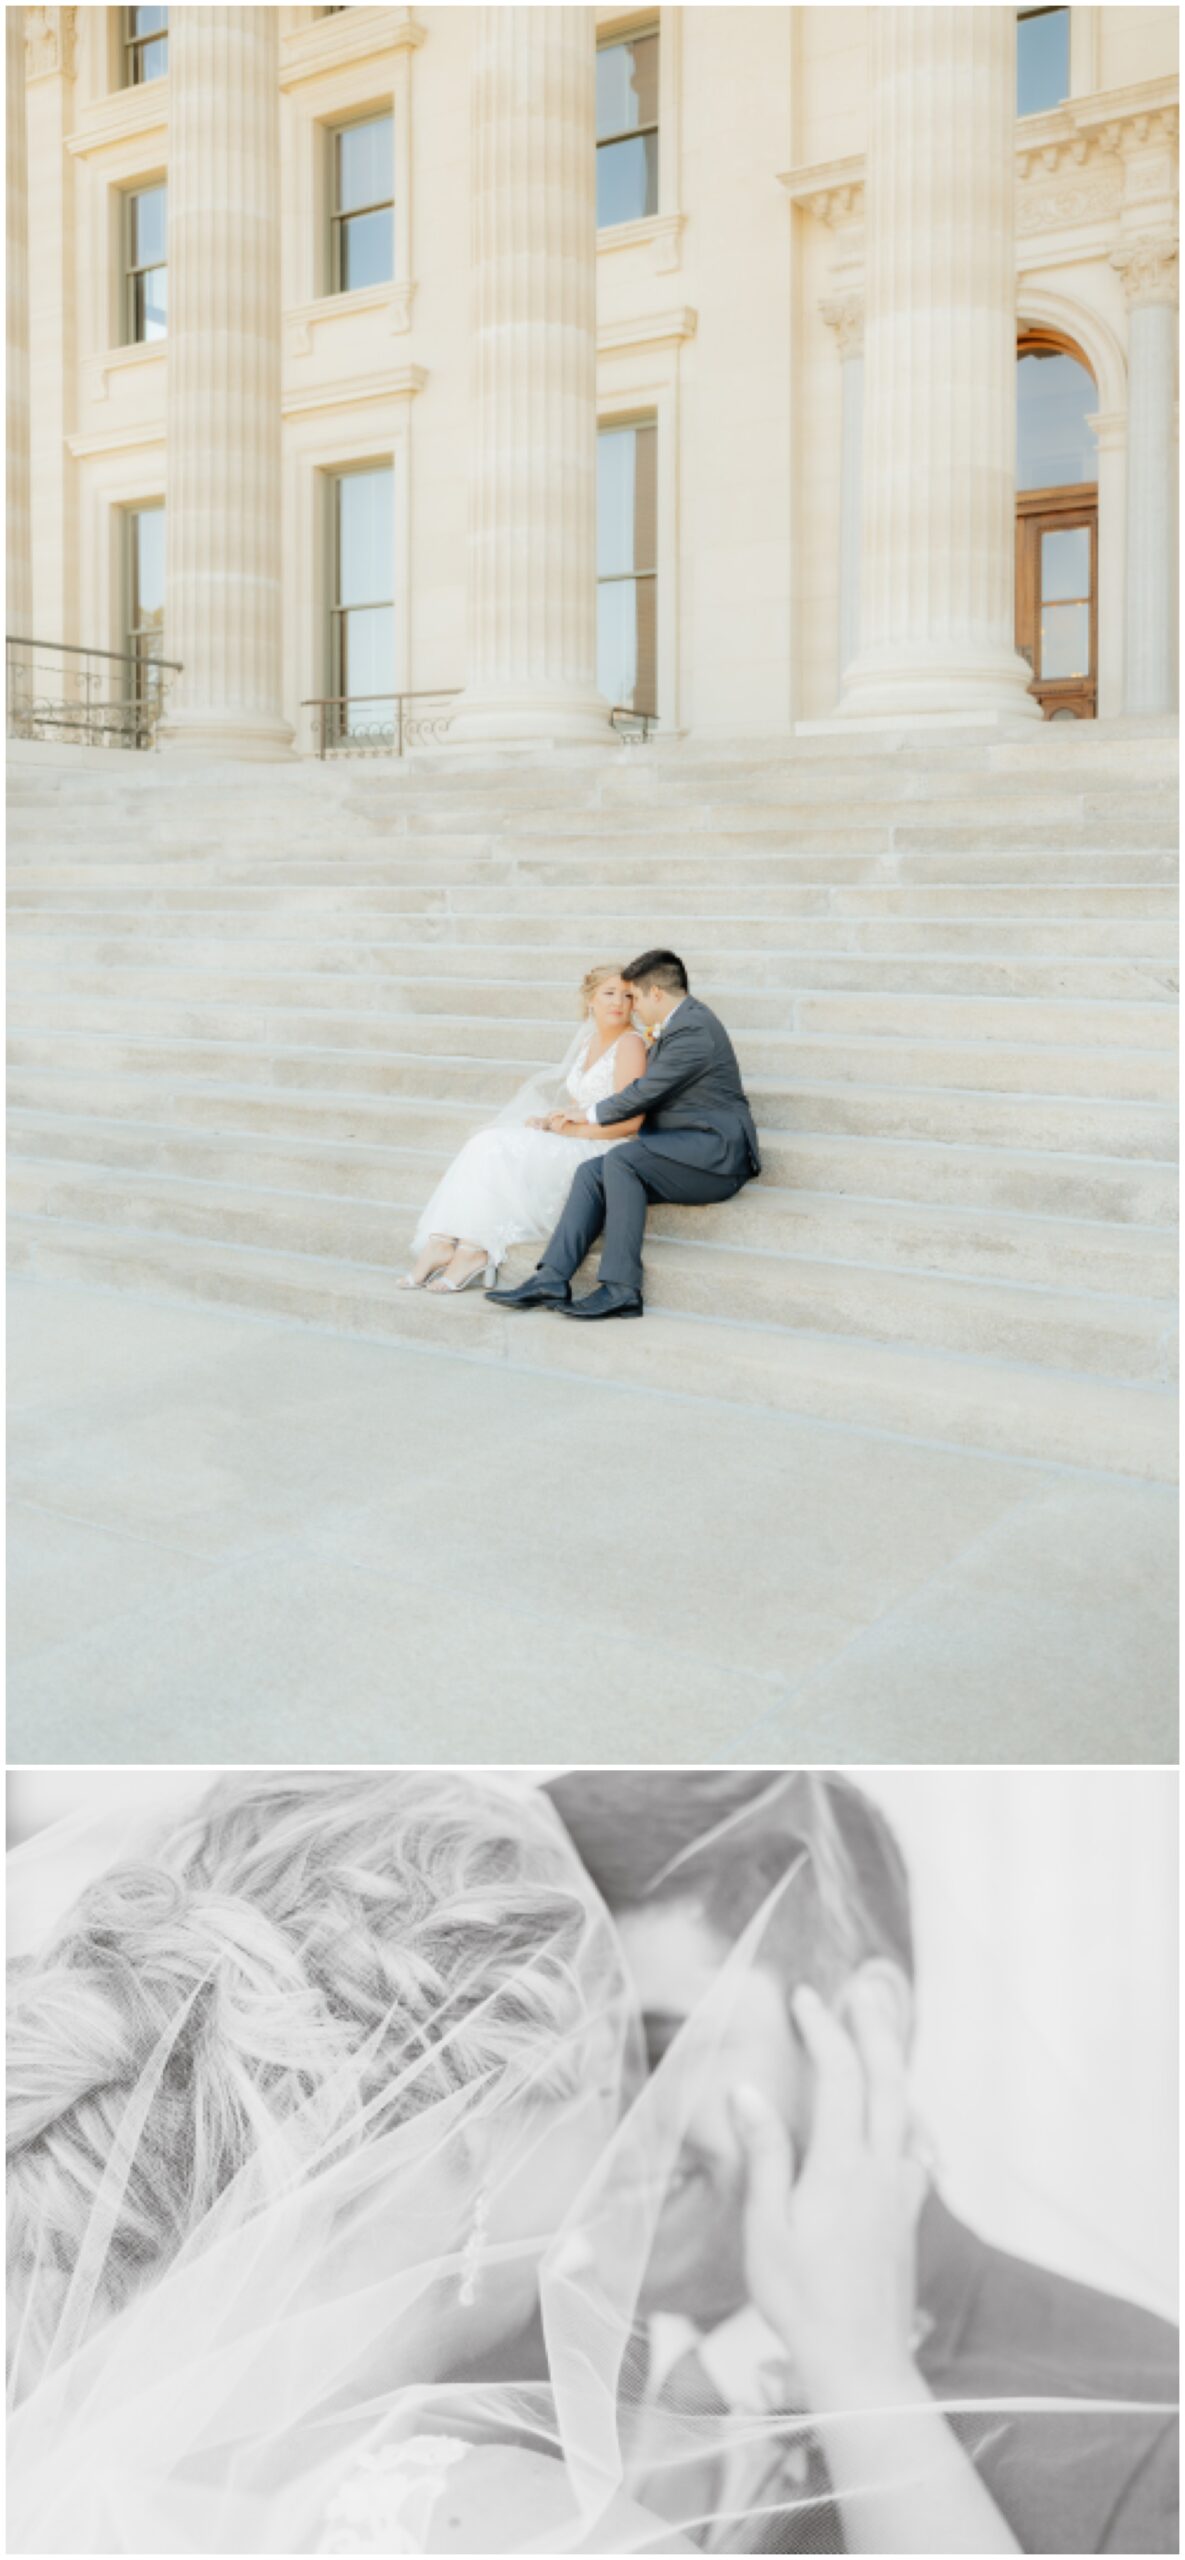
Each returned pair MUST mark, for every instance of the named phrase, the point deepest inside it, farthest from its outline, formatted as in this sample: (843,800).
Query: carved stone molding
(648,329)
(1149,270)
(844,312)
(49,43)
(303,320)
(661,233)
(402,383)
(832,191)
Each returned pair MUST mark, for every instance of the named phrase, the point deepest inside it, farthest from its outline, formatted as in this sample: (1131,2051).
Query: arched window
(1055,395)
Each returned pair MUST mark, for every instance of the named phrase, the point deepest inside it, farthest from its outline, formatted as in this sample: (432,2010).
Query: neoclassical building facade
(748,368)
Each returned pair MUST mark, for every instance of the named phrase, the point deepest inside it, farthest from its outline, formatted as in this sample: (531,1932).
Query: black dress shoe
(533,1292)
(605,1302)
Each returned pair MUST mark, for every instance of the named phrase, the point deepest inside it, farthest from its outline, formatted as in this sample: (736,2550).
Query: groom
(685,1859)
(699,1144)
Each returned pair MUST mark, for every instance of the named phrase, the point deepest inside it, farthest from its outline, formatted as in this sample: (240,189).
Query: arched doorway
(1057,524)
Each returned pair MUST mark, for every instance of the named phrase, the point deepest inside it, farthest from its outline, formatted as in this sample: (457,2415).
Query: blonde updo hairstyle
(295,1920)
(594,978)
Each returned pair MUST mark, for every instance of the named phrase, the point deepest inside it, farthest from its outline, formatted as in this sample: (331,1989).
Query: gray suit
(699,1143)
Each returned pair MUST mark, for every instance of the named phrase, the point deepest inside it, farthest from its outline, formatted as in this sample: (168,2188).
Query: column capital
(1149,270)
(49,43)
(844,313)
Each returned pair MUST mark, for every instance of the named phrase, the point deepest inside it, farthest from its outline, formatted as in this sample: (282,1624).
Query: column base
(944,687)
(527,715)
(214,739)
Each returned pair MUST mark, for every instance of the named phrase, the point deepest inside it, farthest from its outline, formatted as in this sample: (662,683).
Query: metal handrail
(339,730)
(343,735)
(78,649)
(82,704)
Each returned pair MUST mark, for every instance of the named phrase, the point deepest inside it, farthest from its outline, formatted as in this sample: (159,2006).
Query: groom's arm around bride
(698,1144)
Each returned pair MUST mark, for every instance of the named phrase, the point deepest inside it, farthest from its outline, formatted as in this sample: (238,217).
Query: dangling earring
(471,2254)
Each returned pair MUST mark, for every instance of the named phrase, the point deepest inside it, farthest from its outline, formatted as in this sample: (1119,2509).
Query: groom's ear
(884,1982)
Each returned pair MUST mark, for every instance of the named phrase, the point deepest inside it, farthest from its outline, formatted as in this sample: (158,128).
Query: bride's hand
(830,2254)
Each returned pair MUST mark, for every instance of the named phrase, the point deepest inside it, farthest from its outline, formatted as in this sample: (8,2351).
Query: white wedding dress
(509,1185)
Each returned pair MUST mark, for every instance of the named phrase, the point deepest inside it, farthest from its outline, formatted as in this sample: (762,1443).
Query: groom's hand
(830,2253)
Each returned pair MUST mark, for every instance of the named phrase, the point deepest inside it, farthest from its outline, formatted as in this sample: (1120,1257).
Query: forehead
(673,1956)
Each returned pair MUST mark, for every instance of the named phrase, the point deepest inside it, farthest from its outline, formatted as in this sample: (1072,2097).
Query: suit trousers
(611,1196)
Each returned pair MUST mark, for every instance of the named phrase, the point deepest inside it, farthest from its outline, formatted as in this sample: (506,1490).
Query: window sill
(662,233)
(120,360)
(303,319)
(120,117)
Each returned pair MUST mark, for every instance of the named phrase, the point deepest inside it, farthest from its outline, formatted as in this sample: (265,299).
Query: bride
(329,2136)
(296,2102)
(510,1182)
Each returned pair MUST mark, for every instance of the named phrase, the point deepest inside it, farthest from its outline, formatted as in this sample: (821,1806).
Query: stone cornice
(648,329)
(401,383)
(1067,144)
(352,37)
(121,117)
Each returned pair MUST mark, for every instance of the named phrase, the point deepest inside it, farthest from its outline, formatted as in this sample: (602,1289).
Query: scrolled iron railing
(379,724)
(387,724)
(57,690)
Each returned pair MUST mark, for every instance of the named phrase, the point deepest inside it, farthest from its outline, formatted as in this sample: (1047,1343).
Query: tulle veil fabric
(546,1090)
(297,2331)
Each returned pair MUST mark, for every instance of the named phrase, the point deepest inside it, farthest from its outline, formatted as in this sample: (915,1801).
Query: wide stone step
(1114,1336)
(161,904)
(980,1243)
(360,1050)
(219,1098)
(140,966)
(301,1132)
(1013,1408)
(1086,956)
(660,880)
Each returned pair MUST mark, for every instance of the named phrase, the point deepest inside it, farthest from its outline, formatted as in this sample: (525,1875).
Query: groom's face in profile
(697,2263)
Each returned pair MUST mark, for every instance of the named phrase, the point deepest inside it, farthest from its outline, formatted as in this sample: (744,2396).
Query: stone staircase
(253,1012)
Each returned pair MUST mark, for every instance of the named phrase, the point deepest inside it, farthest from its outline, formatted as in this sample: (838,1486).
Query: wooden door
(1057,577)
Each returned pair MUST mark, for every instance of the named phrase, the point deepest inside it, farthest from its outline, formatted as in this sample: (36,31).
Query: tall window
(363,214)
(362,612)
(627,127)
(1056,447)
(627,567)
(145,45)
(145,584)
(146,304)
(1042,59)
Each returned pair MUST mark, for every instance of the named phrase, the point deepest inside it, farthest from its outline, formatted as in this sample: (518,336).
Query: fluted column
(222,613)
(845,314)
(1149,269)
(937,565)
(532,543)
(19,597)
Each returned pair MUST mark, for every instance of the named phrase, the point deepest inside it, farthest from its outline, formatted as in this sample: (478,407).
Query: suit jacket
(692,1083)
(1000,2329)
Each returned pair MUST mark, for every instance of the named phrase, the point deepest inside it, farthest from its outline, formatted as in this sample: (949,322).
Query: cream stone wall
(733,316)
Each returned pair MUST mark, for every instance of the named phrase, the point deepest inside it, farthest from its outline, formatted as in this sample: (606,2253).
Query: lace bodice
(387,2503)
(592,1084)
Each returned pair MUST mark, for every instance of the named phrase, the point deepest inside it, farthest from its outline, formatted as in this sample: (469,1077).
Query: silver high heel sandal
(486,1272)
(409,1280)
